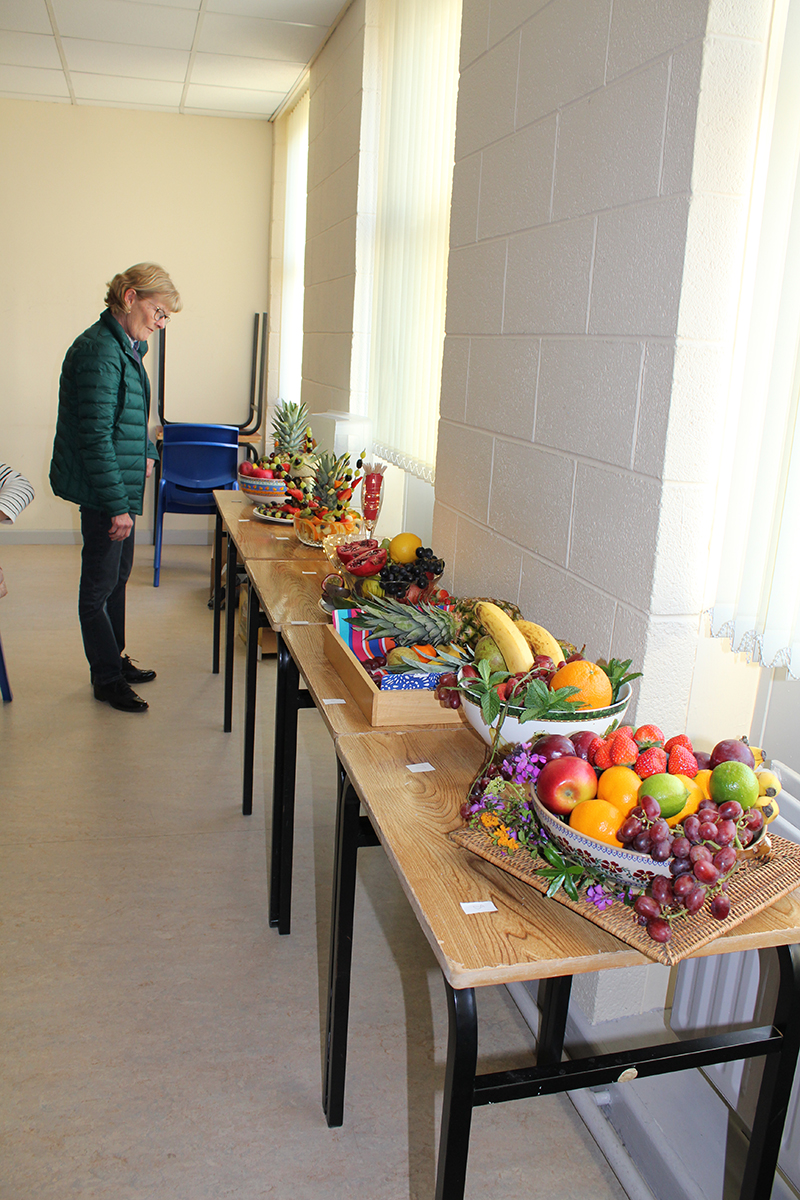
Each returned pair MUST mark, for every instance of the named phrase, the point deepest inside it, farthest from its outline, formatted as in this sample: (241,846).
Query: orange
(701,779)
(594,686)
(620,786)
(696,794)
(403,547)
(597,819)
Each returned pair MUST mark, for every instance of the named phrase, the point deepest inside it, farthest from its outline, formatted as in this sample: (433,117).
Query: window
(419,43)
(757,525)
(294,250)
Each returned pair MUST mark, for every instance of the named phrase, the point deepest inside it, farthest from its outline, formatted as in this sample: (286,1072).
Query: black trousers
(105,569)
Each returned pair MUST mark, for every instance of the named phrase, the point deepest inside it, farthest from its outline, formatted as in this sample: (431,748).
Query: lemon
(403,547)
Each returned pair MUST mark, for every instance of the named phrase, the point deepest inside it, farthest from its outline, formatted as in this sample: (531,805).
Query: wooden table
(523,937)
(248,539)
(280,594)
(301,653)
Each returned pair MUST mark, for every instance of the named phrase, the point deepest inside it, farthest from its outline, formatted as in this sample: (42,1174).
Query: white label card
(299,622)
(418,767)
(309,572)
(478,906)
(334,701)
(281,538)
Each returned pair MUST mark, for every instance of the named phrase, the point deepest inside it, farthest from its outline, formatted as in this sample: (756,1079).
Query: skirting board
(72,537)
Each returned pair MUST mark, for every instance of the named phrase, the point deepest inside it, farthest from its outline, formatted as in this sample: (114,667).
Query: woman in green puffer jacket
(101,458)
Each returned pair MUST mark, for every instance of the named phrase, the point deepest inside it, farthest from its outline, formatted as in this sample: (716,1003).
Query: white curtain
(757,603)
(419,42)
(294,251)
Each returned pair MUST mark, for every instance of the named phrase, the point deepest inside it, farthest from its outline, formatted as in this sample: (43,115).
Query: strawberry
(624,750)
(682,762)
(602,756)
(680,739)
(652,761)
(648,735)
(627,729)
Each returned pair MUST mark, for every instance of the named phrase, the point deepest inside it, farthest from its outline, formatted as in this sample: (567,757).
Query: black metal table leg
(459,1090)
(287,687)
(776,1083)
(217,592)
(554,1006)
(253,626)
(230,633)
(341,949)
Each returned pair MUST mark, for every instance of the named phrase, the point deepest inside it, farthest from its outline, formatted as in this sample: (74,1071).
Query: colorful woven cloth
(409,681)
(358,640)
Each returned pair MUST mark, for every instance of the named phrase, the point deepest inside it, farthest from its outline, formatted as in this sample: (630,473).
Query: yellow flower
(489,819)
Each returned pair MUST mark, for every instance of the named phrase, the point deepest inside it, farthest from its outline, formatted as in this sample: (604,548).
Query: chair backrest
(199,466)
(178,431)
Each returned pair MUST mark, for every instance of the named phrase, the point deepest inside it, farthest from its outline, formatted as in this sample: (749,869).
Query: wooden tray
(418,707)
(755,886)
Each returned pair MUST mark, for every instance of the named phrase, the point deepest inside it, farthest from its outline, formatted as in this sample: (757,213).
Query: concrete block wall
(588,316)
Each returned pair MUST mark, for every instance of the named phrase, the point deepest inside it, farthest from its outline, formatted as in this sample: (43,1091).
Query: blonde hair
(146,279)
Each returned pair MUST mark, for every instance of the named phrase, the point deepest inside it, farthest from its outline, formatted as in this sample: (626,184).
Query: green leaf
(570,888)
(490,706)
(551,854)
(555,885)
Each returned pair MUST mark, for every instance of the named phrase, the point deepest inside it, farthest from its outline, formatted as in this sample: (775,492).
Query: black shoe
(132,674)
(120,695)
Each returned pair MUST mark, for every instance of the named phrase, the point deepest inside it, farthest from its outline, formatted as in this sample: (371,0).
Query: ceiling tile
(29,50)
(26,16)
(132,62)
(261,74)
(232,101)
(127,22)
(253,38)
(126,91)
(298,12)
(31,81)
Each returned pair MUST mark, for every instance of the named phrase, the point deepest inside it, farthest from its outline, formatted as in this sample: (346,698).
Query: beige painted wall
(85,193)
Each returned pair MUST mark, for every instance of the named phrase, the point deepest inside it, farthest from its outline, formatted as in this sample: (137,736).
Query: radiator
(730,989)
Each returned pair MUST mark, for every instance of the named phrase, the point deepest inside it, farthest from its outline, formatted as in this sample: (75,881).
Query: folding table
(411,786)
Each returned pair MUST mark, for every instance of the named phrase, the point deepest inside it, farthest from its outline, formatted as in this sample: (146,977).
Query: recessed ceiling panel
(132,62)
(29,50)
(123,21)
(31,81)
(232,101)
(299,12)
(126,91)
(229,70)
(252,38)
(27,16)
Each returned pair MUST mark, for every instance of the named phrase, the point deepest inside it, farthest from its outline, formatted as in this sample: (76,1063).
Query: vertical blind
(757,603)
(419,46)
(294,249)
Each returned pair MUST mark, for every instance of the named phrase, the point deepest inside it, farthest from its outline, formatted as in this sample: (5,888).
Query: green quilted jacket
(101,444)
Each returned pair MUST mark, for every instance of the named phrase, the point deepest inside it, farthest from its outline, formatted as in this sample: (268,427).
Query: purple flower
(596,894)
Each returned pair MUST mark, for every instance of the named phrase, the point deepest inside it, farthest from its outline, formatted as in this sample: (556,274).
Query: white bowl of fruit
(259,484)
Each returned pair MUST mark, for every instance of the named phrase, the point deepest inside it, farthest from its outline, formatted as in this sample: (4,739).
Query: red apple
(564,782)
(582,740)
(553,745)
(246,468)
(261,473)
(731,750)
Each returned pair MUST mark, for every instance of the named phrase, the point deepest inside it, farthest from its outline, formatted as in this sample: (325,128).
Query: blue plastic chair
(195,460)
(5,686)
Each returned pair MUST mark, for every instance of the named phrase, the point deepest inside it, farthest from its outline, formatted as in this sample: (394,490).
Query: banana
(509,639)
(769,783)
(540,641)
(769,808)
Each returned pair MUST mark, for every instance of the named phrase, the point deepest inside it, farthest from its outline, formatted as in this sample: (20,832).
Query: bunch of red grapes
(445,690)
(701,853)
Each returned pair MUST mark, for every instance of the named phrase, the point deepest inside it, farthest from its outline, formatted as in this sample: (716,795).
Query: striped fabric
(358,640)
(16,492)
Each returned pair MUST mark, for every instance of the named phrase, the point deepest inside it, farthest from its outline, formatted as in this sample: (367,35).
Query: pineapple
(423,624)
(330,482)
(294,441)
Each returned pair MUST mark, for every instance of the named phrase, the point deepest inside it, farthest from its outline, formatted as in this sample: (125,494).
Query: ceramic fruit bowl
(620,864)
(315,534)
(595,719)
(263,491)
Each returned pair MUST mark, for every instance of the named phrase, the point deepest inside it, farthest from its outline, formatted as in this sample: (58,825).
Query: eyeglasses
(160,315)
